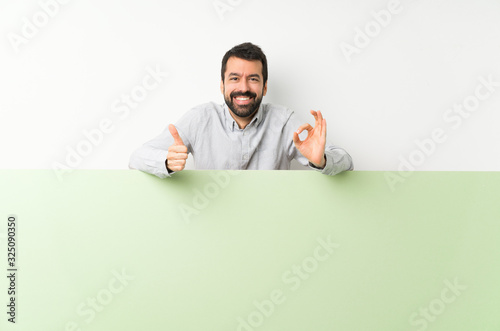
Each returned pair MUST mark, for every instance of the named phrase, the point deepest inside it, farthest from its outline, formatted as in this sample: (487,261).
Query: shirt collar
(231,123)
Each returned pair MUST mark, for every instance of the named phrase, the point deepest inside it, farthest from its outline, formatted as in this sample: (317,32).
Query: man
(243,133)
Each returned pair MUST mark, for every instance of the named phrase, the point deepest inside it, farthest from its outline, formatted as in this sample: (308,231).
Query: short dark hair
(249,52)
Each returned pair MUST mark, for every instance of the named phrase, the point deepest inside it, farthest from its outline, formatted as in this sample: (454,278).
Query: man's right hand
(177,153)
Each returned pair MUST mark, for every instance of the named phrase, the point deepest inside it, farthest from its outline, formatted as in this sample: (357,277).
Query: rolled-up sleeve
(337,161)
(151,160)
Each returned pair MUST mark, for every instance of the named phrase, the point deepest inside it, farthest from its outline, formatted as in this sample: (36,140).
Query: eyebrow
(236,74)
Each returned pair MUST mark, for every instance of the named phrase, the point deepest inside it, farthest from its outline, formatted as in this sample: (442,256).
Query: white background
(65,78)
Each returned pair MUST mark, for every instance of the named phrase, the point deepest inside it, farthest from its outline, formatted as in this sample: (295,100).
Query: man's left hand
(313,147)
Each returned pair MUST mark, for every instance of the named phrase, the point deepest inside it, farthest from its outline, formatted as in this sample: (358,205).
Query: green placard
(250,250)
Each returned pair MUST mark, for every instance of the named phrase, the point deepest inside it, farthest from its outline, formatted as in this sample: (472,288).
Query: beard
(243,111)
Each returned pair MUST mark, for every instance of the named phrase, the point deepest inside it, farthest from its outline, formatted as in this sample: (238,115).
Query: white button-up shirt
(216,142)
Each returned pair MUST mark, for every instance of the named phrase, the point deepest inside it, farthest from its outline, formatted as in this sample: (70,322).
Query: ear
(265,89)
(221,87)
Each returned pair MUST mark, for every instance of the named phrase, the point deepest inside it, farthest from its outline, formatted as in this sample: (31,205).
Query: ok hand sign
(313,147)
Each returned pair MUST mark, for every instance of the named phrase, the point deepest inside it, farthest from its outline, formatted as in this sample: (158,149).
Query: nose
(243,85)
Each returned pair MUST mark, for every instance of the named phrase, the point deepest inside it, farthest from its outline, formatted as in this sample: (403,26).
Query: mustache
(243,94)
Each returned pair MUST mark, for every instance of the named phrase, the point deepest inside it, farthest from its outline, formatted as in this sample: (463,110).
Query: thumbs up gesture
(177,153)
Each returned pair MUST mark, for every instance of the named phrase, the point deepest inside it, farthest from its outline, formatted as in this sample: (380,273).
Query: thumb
(296,139)
(175,134)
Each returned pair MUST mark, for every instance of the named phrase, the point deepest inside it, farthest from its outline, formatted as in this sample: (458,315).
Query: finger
(175,134)
(323,132)
(320,122)
(315,114)
(177,163)
(296,139)
(303,127)
(177,156)
(320,117)
(178,149)
(175,167)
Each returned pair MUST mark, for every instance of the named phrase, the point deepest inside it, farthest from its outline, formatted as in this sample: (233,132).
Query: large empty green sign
(252,250)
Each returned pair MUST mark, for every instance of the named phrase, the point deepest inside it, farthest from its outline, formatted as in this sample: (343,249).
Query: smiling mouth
(242,100)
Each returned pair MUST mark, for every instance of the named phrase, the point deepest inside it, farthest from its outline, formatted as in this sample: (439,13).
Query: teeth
(242,98)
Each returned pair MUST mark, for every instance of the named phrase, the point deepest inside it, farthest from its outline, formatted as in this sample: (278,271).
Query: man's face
(243,86)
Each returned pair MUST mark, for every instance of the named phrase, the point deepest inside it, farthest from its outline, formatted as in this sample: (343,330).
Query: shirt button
(245,157)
